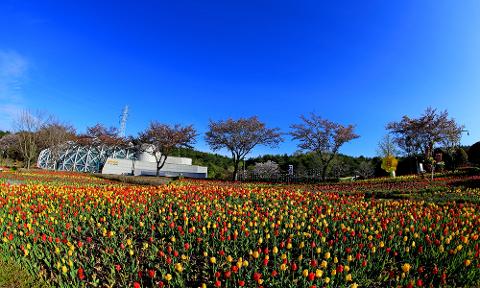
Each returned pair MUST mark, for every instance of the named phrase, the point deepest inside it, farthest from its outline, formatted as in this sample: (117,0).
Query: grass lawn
(13,276)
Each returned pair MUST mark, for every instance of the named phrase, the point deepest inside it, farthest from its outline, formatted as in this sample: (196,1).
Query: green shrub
(461,157)
(474,153)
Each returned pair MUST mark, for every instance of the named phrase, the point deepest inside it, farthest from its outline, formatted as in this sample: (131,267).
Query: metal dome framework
(80,158)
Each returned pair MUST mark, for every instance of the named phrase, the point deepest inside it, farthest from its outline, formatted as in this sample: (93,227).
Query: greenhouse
(79,158)
(115,160)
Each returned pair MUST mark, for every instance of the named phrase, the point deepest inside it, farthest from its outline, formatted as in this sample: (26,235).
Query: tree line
(318,139)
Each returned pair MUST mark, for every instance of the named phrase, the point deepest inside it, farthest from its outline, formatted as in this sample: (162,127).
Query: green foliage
(219,167)
(474,153)
(406,166)
(461,157)
(3,133)
(309,161)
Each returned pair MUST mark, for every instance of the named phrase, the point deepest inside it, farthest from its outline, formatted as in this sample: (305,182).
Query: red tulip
(80,273)
(294,267)
(257,276)
(151,273)
(339,268)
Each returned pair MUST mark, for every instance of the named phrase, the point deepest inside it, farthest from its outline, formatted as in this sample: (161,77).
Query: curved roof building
(74,157)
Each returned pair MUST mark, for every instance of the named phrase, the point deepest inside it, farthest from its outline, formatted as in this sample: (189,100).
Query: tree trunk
(324,172)
(433,170)
(235,170)
(27,159)
(325,166)
(416,165)
(160,166)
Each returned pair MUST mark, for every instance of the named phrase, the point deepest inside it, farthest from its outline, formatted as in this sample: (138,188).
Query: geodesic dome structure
(74,157)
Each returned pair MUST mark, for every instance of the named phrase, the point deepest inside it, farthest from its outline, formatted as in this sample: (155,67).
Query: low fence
(306,177)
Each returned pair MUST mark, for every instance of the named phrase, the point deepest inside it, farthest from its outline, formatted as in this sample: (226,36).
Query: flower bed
(200,233)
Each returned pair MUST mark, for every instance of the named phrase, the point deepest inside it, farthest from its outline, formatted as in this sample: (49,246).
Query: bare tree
(420,136)
(27,125)
(161,139)
(365,170)
(339,168)
(7,143)
(387,150)
(54,136)
(240,137)
(323,137)
(387,147)
(451,143)
(100,135)
(266,170)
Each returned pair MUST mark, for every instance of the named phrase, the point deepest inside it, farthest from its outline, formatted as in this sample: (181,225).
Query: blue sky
(355,62)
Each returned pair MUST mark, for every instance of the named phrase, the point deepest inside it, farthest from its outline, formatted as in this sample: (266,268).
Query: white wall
(177,168)
(147,157)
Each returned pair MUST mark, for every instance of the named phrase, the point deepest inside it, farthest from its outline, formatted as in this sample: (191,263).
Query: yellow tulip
(305,273)
(406,267)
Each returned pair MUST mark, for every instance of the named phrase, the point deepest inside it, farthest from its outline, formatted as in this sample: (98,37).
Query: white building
(146,165)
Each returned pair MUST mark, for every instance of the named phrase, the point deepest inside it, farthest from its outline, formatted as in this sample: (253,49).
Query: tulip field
(74,230)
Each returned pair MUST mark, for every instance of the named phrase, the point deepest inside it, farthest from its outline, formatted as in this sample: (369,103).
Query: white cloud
(13,70)
(12,64)
(8,112)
